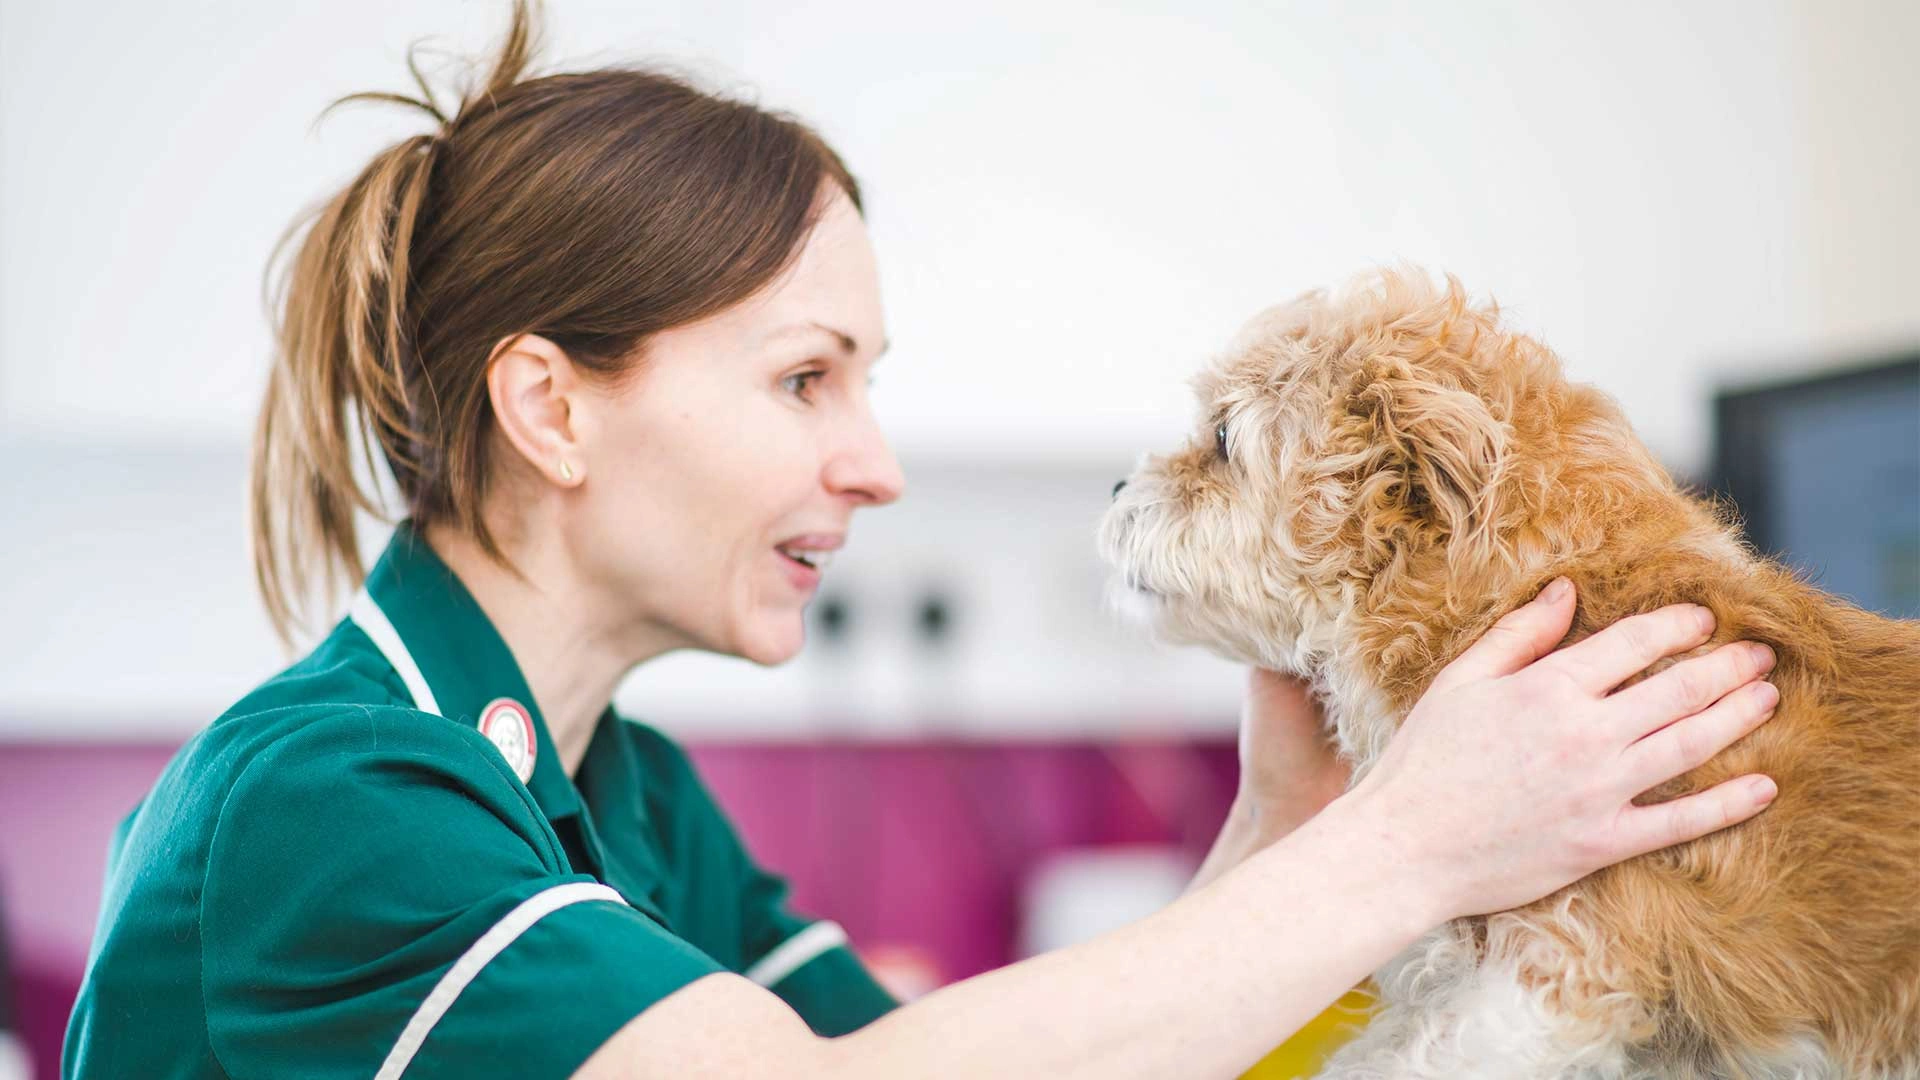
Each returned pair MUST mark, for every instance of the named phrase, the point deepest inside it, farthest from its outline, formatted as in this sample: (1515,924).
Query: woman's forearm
(1202,988)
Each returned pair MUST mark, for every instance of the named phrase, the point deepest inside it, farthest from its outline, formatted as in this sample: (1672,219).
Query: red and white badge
(508,726)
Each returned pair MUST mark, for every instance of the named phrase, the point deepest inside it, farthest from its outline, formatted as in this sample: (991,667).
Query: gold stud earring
(566,472)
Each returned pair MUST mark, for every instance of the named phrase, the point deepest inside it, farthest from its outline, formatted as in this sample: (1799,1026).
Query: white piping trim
(796,952)
(373,622)
(490,945)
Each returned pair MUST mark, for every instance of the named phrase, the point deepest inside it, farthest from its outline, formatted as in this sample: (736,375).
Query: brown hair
(593,208)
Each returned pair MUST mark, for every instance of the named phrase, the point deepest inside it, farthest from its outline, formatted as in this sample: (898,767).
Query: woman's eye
(1220,440)
(798,382)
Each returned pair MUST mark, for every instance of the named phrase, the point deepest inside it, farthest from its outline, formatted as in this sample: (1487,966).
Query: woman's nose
(868,469)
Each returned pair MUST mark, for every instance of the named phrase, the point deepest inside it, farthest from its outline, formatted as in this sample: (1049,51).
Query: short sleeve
(806,962)
(382,898)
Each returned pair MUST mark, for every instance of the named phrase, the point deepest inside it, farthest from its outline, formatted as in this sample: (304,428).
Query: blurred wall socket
(976,605)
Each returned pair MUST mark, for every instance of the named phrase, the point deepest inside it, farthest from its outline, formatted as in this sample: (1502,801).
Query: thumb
(1522,636)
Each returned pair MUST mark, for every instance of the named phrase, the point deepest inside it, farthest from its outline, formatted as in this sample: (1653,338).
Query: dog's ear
(1430,458)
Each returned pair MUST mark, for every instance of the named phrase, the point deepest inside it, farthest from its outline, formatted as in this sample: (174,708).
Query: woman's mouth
(804,557)
(815,559)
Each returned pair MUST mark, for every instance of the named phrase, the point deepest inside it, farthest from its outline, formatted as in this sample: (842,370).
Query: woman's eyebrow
(847,343)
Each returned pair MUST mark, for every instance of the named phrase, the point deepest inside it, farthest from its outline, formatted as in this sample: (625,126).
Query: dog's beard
(1172,621)
(1165,586)
(1133,606)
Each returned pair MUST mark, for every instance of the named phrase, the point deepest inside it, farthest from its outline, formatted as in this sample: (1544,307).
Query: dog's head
(1390,445)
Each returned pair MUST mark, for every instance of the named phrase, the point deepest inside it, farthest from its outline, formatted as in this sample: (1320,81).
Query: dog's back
(1755,945)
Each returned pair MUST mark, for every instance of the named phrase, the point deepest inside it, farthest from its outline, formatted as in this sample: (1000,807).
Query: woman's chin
(773,639)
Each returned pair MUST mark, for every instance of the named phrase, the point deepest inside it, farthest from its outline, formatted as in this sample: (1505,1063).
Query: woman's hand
(1288,768)
(1288,771)
(1513,776)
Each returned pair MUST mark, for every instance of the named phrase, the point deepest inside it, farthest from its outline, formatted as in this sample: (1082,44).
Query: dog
(1375,476)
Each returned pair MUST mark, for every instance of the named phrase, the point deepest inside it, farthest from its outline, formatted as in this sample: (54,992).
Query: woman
(612,337)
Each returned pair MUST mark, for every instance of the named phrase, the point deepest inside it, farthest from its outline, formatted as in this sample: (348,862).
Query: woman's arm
(1512,777)
(1202,988)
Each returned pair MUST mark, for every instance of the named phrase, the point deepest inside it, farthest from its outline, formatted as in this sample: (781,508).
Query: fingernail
(1556,590)
(1705,616)
(1768,694)
(1764,655)
(1763,789)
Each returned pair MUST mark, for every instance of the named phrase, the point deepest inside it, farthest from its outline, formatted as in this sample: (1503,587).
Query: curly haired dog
(1376,477)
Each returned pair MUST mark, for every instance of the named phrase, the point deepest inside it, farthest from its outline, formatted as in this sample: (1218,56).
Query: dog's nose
(1117,486)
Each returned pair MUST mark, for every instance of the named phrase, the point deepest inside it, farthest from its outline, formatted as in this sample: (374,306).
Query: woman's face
(737,455)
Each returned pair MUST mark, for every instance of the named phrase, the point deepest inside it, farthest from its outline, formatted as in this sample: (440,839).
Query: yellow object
(1304,1054)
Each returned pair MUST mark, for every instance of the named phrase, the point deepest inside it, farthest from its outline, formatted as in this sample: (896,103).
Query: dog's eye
(1220,440)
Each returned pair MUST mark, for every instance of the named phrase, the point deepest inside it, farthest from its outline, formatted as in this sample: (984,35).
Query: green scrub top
(375,865)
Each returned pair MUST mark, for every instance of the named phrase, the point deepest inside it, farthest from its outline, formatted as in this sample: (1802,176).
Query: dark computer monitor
(1825,471)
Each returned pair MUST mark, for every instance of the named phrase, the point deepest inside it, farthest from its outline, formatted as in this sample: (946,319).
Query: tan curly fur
(1403,469)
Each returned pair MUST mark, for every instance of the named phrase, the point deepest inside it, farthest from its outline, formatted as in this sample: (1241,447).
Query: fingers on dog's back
(1689,743)
(1522,636)
(1606,659)
(1650,828)
(1690,686)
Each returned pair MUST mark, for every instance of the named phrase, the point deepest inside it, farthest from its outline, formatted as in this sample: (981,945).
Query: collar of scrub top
(455,664)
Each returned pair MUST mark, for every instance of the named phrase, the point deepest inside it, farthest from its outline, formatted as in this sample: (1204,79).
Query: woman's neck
(572,660)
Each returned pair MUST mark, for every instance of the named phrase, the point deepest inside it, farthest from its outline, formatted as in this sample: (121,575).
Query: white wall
(1860,113)
(151,154)
(1074,204)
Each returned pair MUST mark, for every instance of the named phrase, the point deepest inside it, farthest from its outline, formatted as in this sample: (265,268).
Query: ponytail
(340,339)
(342,335)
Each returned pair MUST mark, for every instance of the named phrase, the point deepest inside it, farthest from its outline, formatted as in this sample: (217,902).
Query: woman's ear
(1435,462)
(534,387)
